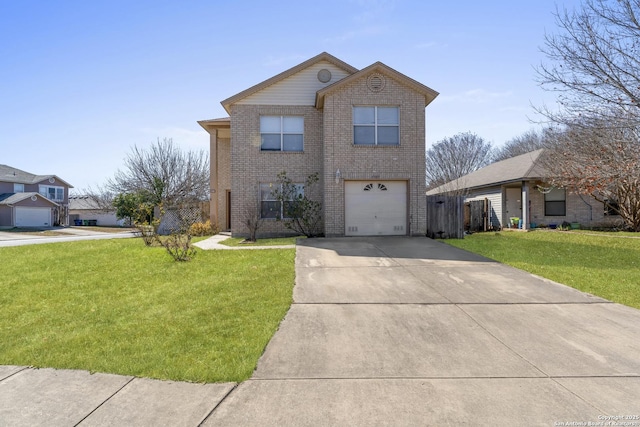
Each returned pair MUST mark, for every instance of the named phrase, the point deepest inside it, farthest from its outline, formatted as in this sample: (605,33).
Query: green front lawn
(120,307)
(601,264)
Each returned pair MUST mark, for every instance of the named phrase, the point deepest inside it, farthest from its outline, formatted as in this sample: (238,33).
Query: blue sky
(81,82)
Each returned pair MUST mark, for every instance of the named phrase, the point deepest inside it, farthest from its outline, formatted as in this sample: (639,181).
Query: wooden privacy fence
(445,217)
(478,214)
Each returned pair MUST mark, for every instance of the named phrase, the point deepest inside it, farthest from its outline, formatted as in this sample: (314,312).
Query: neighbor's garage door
(375,208)
(33,217)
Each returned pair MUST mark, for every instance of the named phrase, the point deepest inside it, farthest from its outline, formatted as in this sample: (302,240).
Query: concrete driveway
(386,331)
(410,331)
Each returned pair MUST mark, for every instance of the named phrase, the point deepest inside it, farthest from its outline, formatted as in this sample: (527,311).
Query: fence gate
(478,215)
(445,217)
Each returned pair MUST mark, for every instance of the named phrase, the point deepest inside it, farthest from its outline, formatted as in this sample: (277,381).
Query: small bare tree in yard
(456,156)
(594,66)
(251,219)
(299,213)
(165,174)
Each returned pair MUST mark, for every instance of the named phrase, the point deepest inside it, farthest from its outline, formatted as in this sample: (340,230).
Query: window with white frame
(555,202)
(52,192)
(18,188)
(281,133)
(376,125)
(270,208)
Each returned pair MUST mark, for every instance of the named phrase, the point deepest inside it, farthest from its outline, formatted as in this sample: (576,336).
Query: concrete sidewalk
(213,242)
(386,331)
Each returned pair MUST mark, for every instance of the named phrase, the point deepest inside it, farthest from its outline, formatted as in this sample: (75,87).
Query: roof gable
(13,198)
(279,78)
(378,67)
(518,168)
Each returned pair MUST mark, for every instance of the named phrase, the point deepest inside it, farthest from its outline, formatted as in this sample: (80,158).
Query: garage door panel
(32,217)
(375,208)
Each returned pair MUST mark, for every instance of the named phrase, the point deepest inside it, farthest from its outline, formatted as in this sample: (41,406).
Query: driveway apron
(410,331)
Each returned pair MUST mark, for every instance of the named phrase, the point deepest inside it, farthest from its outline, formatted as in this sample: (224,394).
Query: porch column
(213,178)
(525,205)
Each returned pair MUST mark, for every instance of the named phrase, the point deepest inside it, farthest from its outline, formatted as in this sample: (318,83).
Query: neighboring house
(28,200)
(362,131)
(84,210)
(516,188)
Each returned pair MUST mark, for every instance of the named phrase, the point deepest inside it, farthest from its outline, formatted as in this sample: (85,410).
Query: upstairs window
(52,193)
(555,202)
(376,125)
(281,133)
(18,188)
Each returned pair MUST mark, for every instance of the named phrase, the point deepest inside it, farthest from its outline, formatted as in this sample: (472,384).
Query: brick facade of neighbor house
(519,178)
(584,210)
(326,102)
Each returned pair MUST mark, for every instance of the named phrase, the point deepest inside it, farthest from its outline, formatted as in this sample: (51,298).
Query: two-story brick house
(362,131)
(29,200)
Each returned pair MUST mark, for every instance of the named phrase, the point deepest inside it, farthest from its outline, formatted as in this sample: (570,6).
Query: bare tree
(594,66)
(456,156)
(251,219)
(522,144)
(101,198)
(603,162)
(594,62)
(164,173)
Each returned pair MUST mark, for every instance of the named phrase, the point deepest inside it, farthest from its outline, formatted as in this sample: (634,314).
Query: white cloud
(426,45)
(372,9)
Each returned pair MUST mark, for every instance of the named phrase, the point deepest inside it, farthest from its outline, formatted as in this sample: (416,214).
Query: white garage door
(33,217)
(375,208)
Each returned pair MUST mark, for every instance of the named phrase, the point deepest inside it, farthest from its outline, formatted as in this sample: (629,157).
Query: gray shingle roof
(84,203)
(11,174)
(519,168)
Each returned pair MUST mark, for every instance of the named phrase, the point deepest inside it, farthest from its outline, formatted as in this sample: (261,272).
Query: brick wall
(584,210)
(250,166)
(405,162)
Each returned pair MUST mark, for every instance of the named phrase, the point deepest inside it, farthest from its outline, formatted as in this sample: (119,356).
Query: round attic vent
(52,180)
(376,82)
(34,198)
(324,75)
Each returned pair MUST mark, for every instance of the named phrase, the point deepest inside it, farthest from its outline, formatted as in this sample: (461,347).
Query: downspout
(590,207)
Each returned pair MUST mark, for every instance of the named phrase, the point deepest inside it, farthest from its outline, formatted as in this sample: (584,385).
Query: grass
(280,241)
(117,306)
(105,229)
(596,263)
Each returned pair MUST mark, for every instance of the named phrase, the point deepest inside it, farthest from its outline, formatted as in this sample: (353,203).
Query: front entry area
(375,208)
